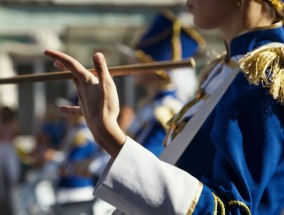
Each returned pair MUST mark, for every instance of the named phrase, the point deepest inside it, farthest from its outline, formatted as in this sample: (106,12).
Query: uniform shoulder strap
(206,70)
(173,152)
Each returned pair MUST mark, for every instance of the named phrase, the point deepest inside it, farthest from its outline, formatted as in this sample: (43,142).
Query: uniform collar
(249,40)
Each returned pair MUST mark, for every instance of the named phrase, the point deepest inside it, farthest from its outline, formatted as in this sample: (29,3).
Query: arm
(98,100)
(136,173)
(137,182)
(248,136)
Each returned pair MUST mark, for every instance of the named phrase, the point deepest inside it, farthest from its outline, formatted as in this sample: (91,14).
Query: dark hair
(277,14)
(7,114)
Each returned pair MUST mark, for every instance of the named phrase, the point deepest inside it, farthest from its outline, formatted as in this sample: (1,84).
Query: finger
(78,88)
(73,65)
(57,64)
(71,110)
(101,67)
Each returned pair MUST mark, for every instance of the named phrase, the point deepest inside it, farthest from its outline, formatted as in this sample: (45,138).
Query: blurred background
(79,28)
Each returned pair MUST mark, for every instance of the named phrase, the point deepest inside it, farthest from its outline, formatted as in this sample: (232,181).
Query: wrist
(110,137)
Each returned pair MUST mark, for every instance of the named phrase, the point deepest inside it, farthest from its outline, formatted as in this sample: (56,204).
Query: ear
(271,12)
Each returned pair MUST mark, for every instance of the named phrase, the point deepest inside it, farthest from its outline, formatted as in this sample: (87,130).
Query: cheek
(210,13)
(207,20)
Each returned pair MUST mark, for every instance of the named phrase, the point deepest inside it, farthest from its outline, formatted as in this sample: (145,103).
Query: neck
(244,20)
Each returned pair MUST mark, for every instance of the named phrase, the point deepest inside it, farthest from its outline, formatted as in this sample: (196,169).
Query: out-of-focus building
(77,27)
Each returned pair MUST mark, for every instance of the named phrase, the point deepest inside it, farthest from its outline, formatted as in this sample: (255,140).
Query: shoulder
(264,67)
(166,109)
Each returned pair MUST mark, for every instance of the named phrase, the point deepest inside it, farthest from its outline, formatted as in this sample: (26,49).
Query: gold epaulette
(205,71)
(265,66)
(79,139)
(163,115)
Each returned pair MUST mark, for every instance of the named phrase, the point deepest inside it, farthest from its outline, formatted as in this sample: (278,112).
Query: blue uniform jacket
(82,147)
(238,154)
(146,128)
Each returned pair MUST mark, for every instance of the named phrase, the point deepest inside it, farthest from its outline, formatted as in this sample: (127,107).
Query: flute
(114,71)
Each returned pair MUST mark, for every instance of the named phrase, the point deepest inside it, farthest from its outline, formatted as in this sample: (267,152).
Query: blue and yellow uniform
(165,39)
(79,145)
(82,147)
(245,174)
(245,164)
(147,126)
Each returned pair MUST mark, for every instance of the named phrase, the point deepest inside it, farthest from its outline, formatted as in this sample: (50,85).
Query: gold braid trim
(156,38)
(241,204)
(176,50)
(265,66)
(145,58)
(195,199)
(176,43)
(165,33)
(215,205)
(277,4)
(218,202)
(187,29)
(163,114)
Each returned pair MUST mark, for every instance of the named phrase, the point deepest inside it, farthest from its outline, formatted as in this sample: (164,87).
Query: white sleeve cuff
(137,182)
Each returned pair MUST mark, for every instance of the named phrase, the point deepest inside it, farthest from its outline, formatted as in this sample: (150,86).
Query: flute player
(164,92)
(247,175)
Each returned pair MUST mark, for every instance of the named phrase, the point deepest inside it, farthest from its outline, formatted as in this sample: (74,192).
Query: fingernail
(98,57)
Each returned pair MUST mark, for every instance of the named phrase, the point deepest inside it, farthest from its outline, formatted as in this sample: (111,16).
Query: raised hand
(98,100)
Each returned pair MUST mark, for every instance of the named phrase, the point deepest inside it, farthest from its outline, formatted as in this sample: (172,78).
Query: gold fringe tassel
(277,4)
(266,66)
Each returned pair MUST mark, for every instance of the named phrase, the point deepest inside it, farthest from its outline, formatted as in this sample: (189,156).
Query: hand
(98,100)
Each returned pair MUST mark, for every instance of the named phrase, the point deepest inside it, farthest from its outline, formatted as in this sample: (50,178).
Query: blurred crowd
(54,170)
(46,173)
